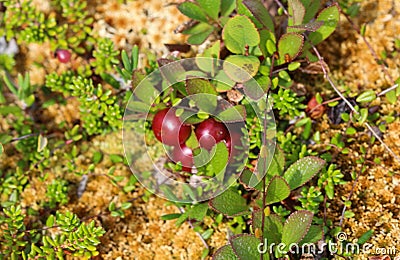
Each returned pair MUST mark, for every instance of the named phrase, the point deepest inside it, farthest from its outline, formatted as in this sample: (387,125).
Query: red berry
(168,128)
(184,155)
(210,132)
(63,56)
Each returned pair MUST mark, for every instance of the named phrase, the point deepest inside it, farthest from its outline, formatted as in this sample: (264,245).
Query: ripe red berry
(168,128)
(184,155)
(63,56)
(210,132)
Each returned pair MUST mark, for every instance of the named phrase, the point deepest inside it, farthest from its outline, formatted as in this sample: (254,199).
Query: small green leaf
(277,190)
(313,235)
(170,216)
(193,11)
(50,221)
(391,97)
(225,253)
(238,33)
(126,205)
(294,66)
(42,143)
(302,171)
(365,237)
(260,13)
(97,157)
(209,65)
(1,149)
(220,158)
(330,17)
(207,234)
(211,7)
(366,96)
(233,114)
(203,93)
(296,227)
(245,246)
(272,226)
(351,131)
(289,46)
(198,211)
(199,33)
(296,12)
(241,68)
(230,203)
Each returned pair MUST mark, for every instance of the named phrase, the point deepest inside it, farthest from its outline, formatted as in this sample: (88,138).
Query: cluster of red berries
(169,129)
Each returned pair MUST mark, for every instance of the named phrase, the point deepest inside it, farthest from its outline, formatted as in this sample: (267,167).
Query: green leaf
(199,33)
(1,149)
(230,203)
(312,7)
(198,211)
(211,7)
(351,131)
(330,17)
(227,7)
(50,221)
(366,96)
(238,33)
(245,246)
(225,253)
(260,13)
(193,11)
(296,12)
(42,143)
(277,190)
(144,90)
(272,226)
(302,171)
(126,205)
(296,227)
(365,237)
(220,158)
(203,93)
(277,163)
(241,68)
(391,97)
(289,46)
(97,157)
(233,114)
(170,216)
(313,235)
(209,65)
(267,43)
(207,234)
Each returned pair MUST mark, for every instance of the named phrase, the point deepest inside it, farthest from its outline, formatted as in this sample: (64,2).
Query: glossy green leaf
(170,216)
(366,96)
(277,190)
(302,171)
(211,7)
(233,114)
(272,226)
(193,11)
(230,203)
(330,17)
(260,13)
(267,42)
(241,68)
(296,227)
(225,253)
(289,46)
(238,33)
(245,246)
